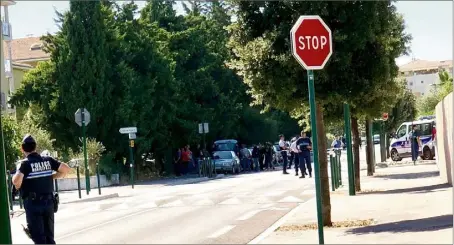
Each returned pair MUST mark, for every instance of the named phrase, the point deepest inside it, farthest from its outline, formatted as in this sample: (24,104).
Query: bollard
(211,168)
(78,181)
(199,168)
(10,191)
(340,171)
(99,180)
(333,188)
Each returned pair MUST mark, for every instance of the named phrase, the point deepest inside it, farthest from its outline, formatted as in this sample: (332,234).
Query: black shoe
(302,176)
(285,172)
(310,175)
(296,174)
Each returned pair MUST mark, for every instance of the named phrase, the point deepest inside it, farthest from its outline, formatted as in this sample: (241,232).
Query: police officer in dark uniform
(304,145)
(34,178)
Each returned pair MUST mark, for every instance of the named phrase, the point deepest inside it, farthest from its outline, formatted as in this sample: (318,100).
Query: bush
(12,141)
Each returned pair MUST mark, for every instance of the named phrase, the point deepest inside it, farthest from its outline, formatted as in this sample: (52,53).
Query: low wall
(444,144)
(70,184)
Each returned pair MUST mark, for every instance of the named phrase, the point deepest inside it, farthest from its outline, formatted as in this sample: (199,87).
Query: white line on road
(102,224)
(276,225)
(222,231)
(249,214)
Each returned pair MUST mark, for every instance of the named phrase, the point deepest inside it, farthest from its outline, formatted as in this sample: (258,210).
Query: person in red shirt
(434,132)
(186,156)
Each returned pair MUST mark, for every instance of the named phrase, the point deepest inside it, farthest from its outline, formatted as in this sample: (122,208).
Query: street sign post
(311,43)
(131,132)
(82,118)
(203,129)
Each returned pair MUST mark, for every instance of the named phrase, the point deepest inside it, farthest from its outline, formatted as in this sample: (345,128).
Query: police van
(400,145)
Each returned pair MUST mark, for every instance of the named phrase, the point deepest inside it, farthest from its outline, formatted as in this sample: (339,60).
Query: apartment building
(422,75)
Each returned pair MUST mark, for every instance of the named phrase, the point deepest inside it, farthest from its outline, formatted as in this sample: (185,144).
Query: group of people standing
(262,157)
(300,154)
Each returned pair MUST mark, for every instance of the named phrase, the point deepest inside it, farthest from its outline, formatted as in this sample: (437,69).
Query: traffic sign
(311,42)
(129,130)
(78,116)
(203,128)
(385,116)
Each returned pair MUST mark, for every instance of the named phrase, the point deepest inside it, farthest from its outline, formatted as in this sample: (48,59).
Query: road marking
(231,201)
(250,214)
(102,224)
(204,202)
(222,231)
(267,206)
(290,199)
(274,193)
(276,225)
(173,204)
(147,205)
(118,207)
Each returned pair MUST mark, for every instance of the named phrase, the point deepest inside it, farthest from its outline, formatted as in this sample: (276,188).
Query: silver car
(226,161)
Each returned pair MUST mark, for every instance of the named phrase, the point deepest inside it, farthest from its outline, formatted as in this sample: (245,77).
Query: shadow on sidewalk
(416,225)
(410,175)
(412,190)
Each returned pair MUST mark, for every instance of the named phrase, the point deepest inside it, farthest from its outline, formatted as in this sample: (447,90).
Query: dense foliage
(426,104)
(161,72)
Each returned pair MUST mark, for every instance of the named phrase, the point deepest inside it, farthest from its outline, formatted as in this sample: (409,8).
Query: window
(402,131)
(36,46)
(410,83)
(424,129)
(422,93)
(422,81)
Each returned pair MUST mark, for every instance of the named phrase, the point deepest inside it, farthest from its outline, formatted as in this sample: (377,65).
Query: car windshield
(224,147)
(222,155)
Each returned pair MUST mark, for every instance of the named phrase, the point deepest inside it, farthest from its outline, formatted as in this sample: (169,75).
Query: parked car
(226,161)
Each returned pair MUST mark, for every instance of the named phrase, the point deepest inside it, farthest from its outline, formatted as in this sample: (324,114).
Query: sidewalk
(408,204)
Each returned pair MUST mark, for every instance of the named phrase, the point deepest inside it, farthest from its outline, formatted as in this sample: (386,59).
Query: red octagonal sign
(311,42)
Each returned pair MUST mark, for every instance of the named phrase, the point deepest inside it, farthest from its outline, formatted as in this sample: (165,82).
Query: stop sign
(311,42)
(385,116)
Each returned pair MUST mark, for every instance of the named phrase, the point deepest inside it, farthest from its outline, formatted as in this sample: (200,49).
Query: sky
(429,22)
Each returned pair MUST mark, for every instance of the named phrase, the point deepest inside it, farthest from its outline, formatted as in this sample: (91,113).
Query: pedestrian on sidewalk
(283,147)
(34,178)
(415,143)
(304,144)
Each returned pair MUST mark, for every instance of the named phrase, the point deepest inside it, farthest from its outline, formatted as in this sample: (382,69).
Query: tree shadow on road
(410,175)
(412,190)
(416,225)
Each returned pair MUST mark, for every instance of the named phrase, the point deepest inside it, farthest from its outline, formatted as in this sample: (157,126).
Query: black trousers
(292,157)
(284,155)
(305,162)
(40,220)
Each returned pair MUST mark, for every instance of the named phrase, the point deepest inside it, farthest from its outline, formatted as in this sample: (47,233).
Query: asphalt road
(232,210)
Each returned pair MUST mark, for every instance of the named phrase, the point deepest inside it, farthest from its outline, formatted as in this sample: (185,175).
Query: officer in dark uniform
(34,177)
(304,145)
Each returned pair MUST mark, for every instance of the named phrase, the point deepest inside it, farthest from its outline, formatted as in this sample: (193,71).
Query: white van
(400,145)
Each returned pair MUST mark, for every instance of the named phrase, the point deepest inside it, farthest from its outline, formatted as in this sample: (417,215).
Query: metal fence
(207,168)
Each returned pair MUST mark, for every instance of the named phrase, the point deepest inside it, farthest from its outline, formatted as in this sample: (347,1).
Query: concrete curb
(92,199)
(278,223)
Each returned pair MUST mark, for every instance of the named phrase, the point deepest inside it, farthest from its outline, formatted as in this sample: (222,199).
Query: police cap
(28,139)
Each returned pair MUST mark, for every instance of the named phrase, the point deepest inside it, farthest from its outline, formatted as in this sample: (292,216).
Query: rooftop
(25,49)
(419,65)
(7,2)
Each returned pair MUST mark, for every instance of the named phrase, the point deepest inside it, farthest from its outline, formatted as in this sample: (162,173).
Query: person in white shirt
(294,149)
(283,147)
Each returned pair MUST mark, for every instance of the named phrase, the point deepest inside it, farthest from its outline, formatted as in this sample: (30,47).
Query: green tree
(12,141)
(359,64)
(426,104)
